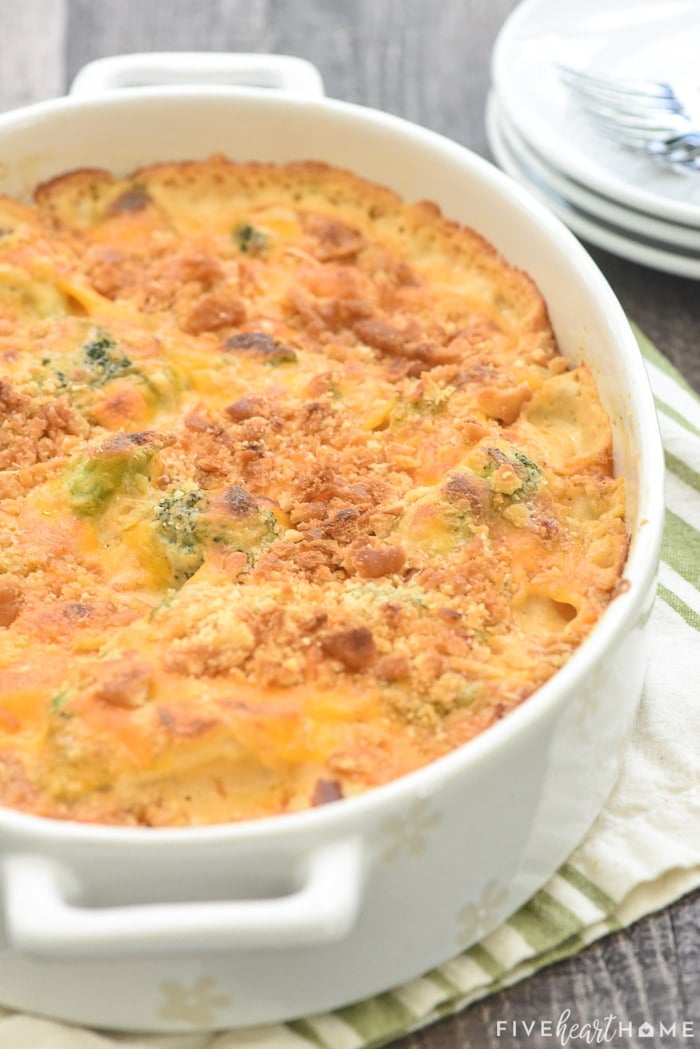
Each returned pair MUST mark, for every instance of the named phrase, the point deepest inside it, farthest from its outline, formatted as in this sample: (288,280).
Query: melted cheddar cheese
(296,492)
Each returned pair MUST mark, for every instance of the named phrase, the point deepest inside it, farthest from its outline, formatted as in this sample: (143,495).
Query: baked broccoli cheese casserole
(296,492)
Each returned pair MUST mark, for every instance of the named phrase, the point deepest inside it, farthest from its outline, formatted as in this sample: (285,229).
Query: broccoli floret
(62,380)
(188,522)
(96,476)
(530,472)
(94,364)
(252,536)
(241,523)
(58,701)
(182,531)
(103,360)
(249,240)
(179,517)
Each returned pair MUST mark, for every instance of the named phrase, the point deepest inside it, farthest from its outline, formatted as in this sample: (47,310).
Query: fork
(645,115)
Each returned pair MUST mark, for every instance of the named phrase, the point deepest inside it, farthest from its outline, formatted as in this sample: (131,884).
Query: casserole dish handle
(284,72)
(43,918)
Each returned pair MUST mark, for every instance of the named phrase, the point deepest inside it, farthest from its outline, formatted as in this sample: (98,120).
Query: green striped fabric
(642,853)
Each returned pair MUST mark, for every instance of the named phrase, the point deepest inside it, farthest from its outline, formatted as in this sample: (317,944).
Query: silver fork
(645,115)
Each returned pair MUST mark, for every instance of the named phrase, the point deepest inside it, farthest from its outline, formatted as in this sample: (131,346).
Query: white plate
(669,234)
(604,235)
(628,38)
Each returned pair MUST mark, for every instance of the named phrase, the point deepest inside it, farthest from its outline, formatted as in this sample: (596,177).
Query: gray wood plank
(665,307)
(33,56)
(424,61)
(650,973)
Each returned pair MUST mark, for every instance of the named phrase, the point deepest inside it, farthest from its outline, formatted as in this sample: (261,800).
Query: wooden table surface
(429,62)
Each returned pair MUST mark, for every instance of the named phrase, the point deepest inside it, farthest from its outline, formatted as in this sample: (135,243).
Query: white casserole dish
(159,929)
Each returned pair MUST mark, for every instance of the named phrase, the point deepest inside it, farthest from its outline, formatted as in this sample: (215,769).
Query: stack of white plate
(620,200)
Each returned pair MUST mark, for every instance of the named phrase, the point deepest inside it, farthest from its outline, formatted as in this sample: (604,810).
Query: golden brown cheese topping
(296,492)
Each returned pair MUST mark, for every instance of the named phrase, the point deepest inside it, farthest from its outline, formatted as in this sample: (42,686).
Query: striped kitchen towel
(642,853)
